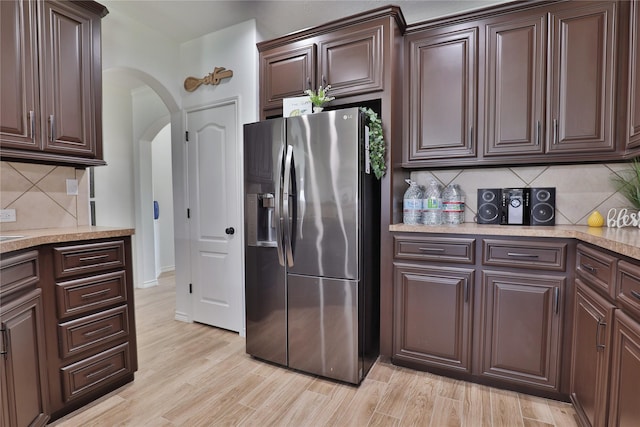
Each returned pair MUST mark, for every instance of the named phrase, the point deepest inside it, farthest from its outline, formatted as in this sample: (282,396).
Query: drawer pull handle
(600,323)
(518,255)
(636,294)
(99,371)
(94,294)
(98,331)
(589,268)
(93,258)
(431,249)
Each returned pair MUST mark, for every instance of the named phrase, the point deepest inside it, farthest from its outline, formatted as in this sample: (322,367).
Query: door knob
(230,230)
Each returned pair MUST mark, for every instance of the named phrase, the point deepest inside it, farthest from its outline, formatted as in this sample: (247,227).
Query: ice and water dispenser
(261,220)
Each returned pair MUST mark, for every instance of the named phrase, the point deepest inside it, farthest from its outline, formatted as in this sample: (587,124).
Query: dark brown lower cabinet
(433,316)
(624,396)
(592,325)
(23,381)
(521,328)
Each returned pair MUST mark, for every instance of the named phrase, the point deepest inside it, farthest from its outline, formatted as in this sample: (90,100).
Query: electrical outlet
(7,215)
(72,187)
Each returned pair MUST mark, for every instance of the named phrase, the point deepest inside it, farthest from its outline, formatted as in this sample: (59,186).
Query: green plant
(376,142)
(628,183)
(320,98)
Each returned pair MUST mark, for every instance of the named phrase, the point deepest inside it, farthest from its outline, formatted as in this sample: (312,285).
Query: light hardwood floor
(196,375)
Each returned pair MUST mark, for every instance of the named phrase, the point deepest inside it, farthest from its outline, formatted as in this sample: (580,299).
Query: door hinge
(186,135)
(188,213)
(5,342)
(190,288)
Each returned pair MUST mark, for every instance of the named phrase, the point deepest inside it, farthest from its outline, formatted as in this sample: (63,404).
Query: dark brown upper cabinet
(580,116)
(351,60)
(286,72)
(577,93)
(440,92)
(515,84)
(349,57)
(632,89)
(537,85)
(52,87)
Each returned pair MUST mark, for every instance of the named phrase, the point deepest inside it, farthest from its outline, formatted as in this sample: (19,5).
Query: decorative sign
(219,73)
(622,218)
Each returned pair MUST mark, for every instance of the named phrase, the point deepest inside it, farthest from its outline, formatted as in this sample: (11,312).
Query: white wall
(114,191)
(235,49)
(163,193)
(144,53)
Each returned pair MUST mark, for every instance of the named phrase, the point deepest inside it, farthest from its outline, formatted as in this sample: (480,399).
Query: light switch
(72,187)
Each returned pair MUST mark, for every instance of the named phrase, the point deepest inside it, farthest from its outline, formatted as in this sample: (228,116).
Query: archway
(136,108)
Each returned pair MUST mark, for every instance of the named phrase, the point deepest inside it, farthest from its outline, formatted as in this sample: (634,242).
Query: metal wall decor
(219,73)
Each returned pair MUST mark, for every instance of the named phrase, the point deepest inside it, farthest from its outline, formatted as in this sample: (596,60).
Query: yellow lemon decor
(595,219)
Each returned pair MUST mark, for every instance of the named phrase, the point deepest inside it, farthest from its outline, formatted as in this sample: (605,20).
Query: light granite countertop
(43,236)
(625,241)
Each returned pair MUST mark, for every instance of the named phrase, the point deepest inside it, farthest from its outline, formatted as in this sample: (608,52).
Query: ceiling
(184,20)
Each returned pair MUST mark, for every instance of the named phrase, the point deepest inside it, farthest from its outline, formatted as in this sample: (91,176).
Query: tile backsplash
(38,193)
(580,189)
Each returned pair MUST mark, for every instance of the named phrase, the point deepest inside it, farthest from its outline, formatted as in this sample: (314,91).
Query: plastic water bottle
(452,205)
(432,204)
(412,204)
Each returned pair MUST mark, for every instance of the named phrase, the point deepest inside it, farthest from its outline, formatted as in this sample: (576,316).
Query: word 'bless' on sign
(622,218)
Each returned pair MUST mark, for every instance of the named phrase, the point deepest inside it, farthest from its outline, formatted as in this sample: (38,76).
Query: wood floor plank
(563,414)
(505,409)
(447,412)
(535,408)
(195,375)
(477,406)
(419,408)
(359,410)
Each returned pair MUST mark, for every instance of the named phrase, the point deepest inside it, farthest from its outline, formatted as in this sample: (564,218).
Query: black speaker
(543,206)
(489,205)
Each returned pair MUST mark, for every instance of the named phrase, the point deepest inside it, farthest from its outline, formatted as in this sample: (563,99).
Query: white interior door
(215,182)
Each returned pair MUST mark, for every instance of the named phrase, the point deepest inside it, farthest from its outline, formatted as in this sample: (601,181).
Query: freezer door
(265,277)
(324,193)
(323,327)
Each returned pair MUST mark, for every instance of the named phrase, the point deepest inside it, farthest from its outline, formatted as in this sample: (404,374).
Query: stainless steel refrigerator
(312,221)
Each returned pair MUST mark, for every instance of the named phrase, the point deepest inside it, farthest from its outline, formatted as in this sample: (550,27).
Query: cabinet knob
(230,230)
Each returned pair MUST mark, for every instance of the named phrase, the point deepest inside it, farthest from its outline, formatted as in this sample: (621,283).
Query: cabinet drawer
(596,268)
(92,373)
(18,272)
(434,248)
(89,258)
(92,331)
(628,287)
(525,254)
(84,295)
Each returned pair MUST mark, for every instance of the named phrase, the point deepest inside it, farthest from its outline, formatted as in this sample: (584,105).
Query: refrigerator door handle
(285,205)
(278,210)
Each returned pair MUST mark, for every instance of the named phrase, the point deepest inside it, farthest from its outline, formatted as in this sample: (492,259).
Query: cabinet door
(624,399)
(351,61)
(515,85)
(286,72)
(432,316)
(592,324)
(19,75)
(23,362)
(441,91)
(633,103)
(68,59)
(582,79)
(521,328)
